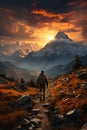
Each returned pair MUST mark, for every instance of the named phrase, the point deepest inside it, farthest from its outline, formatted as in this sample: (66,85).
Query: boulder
(36,122)
(35,111)
(47,112)
(46,105)
(24,102)
(78,96)
(67,79)
(19,127)
(24,99)
(84,85)
(32,127)
(82,74)
(28,106)
(72,120)
(25,122)
(84,127)
(30,116)
(39,116)
(57,120)
(66,99)
(75,114)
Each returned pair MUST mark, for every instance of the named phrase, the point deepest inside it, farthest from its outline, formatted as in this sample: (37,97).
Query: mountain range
(11,70)
(17,49)
(55,58)
(58,52)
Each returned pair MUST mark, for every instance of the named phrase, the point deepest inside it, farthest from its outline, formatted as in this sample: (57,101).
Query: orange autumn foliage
(11,119)
(67,95)
(10,116)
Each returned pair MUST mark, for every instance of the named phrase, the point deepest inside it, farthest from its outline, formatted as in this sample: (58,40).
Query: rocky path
(38,118)
(44,111)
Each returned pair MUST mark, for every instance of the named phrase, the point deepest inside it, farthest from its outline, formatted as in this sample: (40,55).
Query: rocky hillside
(68,98)
(15,102)
(65,106)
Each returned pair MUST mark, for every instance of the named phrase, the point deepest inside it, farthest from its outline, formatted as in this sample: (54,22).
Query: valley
(55,58)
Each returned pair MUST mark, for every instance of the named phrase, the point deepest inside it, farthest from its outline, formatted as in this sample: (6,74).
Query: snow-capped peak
(61,35)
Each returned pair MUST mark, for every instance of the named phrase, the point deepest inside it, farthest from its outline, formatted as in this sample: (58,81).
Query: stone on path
(75,114)
(84,127)
(40,116)
(46,105)
(78,96)
(25,122)
(18,128)
(36,122)
(46,112)
(35,111)
(30,128)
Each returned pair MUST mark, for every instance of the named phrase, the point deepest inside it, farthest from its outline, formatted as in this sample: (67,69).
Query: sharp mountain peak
(61,35)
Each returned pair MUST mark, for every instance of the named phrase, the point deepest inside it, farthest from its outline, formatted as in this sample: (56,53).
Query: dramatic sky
(38,21)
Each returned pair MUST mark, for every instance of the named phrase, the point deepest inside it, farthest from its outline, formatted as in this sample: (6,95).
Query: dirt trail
(45,120)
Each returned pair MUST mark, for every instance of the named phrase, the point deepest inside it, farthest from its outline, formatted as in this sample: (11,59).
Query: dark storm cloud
(16,3)
(57,6)
(83,24)
(71,30)
(17,17)
(11,27)
(53,5)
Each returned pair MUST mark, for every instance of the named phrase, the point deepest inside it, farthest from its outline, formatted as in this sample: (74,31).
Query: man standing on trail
(42,83)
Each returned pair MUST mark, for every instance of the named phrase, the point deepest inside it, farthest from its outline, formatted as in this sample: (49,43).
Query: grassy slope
(9,116)
(68,95)
(63,95)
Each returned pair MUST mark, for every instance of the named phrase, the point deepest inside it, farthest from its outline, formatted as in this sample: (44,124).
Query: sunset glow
(50,38)
(39,23)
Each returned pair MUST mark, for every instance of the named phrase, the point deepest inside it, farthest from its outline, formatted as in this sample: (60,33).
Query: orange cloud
(42,25)
(46,14)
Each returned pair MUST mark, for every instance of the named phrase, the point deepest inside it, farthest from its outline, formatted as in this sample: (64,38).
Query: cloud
(26,20)
(44,13)
(71,30)
(12,27)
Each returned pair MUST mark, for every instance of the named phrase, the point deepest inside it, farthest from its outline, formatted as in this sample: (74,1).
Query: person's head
(42,72)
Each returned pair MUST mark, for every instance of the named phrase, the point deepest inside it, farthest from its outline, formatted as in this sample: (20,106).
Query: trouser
(42,93)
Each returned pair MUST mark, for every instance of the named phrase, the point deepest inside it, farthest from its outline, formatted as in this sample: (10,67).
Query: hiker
(42,83)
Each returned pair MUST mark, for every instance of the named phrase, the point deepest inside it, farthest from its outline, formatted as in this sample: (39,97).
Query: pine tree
(77,63)
(32,84)
(22,80)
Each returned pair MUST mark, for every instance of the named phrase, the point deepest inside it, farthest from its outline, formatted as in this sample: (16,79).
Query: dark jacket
(42,80)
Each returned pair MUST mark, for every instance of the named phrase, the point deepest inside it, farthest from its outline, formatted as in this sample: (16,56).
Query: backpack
(41,79)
